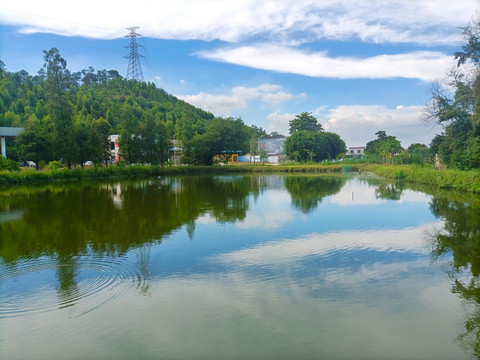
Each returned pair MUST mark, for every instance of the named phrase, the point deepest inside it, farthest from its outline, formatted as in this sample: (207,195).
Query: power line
(154,76)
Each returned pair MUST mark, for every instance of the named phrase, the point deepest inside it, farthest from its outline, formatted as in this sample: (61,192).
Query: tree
(60,110)
(255,134)
(35,142)
(102,127)
(128,140)
(83,143)
(385,146)
(162,141)
(310,146)
(304,122)
(388,148)
(185,132)
(471,46)
(419,154)
(222,136)
(458,110)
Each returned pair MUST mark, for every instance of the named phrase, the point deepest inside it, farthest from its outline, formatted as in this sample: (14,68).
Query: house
(273,146)
(355,151)
(114,149)
(175,152)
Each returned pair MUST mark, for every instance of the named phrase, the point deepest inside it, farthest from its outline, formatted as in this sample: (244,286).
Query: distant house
(355,151)
(114,149)
(175,152)
(273,146)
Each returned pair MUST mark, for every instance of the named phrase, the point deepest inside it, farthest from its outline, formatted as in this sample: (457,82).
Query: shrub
(7,164)
(53,165)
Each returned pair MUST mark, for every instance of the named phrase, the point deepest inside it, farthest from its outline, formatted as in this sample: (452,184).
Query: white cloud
(217,104)
(276,98)
(424,65)
(426,22)
(222,105)
(358,124)
(279,122)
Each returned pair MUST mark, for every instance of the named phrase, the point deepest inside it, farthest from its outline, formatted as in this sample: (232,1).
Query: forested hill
(92,95)
(69,117)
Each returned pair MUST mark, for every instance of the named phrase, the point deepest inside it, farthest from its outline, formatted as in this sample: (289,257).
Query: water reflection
(389,191)
(460,236)
(236,267)
(308,191)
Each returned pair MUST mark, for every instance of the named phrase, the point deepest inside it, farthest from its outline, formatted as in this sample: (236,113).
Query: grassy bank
(427,175)
(443,179)
(28,176)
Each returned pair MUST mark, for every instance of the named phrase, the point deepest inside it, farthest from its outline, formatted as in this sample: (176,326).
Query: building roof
(10,131)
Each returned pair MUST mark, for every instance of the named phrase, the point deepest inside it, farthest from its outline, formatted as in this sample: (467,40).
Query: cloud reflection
(358,192)
(289,250)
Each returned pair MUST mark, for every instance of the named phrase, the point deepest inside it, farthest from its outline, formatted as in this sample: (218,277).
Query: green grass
(27,176)
(427,175)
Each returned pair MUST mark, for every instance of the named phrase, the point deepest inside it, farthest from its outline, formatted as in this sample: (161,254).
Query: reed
(444,179)
(27,176)
(427,175)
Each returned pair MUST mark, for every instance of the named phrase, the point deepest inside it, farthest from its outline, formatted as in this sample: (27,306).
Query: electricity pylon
(134,70)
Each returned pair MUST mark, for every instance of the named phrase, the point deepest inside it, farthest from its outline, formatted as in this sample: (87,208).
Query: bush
(7,164)
(53,165)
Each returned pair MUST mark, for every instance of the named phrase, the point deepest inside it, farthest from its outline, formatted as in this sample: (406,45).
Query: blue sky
(359,66)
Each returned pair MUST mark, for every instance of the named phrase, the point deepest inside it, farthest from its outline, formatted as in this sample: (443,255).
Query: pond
(239,267)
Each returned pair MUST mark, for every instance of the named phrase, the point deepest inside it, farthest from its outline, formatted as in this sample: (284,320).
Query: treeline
(69,116)
(309,142)
(457,106)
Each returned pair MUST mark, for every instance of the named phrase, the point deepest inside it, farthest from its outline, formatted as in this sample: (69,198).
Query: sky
(359,66)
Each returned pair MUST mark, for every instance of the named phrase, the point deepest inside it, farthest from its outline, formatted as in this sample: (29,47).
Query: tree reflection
(308,191)
(67,221)
(67,285)
(461,237)
(389,191)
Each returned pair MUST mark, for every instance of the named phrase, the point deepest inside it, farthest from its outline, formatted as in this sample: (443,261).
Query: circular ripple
(47,284)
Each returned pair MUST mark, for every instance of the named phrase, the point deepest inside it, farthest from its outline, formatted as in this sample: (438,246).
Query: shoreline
(468,181)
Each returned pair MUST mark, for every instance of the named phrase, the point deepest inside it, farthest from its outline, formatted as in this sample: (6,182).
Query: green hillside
(69,116)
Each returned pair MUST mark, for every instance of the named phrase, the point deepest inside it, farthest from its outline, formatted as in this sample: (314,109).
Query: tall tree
(385,146)
(185,132)
(57,83)
(458,110)
(129,141)
(305,122)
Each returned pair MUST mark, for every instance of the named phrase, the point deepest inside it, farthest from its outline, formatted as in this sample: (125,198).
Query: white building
(355,151)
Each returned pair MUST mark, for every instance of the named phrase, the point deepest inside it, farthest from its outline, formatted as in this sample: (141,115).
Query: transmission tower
(134,70)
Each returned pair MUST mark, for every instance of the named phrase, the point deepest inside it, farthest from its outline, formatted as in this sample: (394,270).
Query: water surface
(238,267)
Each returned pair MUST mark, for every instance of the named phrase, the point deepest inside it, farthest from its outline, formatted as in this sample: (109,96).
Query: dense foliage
(308,141)
(69,116)
(458,110)
(385,146)
(304,121)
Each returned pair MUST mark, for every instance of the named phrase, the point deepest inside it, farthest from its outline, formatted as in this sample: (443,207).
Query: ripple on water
(44,285)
